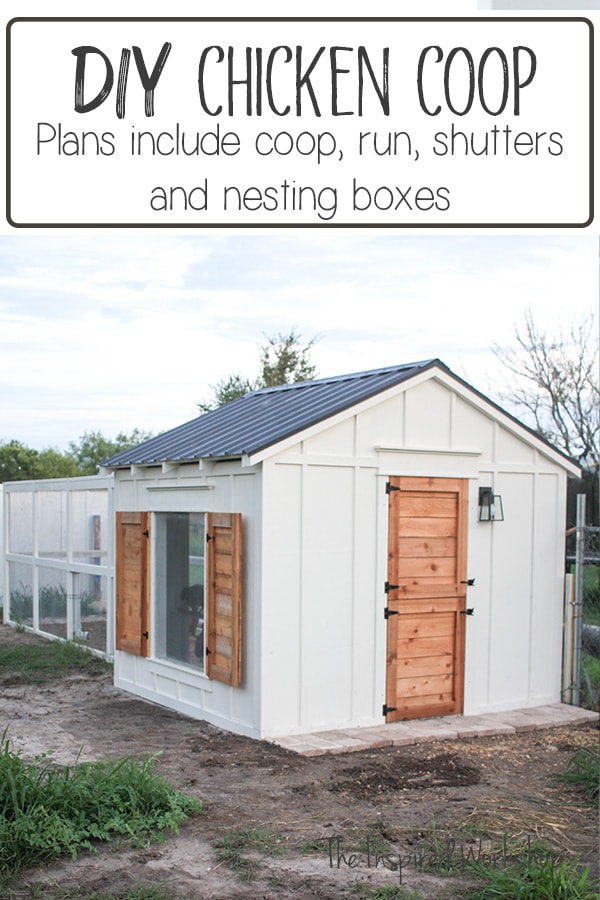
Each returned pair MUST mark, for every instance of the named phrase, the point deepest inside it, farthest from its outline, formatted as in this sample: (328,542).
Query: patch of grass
(237,841)
(314,846)
(388,892)
(471,848)
(437,852)
(476,828)
(140,892)
(49,811)
(544,880)
(583,771)
(38,663)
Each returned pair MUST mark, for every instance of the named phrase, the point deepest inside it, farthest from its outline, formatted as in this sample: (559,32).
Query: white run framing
(73,560)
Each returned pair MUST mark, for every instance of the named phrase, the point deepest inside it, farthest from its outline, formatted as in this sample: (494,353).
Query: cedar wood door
(427,552)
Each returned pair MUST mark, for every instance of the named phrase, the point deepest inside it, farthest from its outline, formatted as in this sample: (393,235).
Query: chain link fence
(581,656)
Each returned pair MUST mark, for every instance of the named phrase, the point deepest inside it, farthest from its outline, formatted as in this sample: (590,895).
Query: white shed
(342,552)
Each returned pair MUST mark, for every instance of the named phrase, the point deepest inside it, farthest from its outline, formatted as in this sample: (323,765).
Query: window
(197,590)
(179,584)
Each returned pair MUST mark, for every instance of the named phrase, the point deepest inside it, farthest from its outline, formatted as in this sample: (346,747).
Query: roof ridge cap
(347,377)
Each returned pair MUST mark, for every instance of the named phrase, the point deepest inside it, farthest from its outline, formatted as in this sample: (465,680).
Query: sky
(115,331)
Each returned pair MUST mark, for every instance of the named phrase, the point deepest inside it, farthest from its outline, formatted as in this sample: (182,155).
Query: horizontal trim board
(338,462)
(428,451)
(180,487)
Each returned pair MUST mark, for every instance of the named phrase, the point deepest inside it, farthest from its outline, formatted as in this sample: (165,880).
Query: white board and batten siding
(220,487)
(315,526)
(325,558)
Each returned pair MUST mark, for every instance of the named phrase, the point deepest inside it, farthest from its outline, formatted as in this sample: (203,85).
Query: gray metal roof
(265,417)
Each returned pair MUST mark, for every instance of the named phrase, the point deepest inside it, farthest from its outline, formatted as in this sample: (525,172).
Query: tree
(21,463)
(283,360)
(17,462)
(226,390)
(93,447)
(56,464)
(556,385)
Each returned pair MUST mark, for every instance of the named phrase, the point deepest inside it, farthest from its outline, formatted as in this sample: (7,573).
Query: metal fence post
(578,603)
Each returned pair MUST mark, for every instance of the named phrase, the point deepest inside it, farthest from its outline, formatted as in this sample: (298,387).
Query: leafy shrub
(48,811)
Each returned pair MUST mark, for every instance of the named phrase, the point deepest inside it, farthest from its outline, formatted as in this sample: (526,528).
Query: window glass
(179,587)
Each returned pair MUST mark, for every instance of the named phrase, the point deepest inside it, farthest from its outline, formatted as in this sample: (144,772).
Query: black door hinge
(145,635)
(389,487)
(388,709)
(390,612)
(467,612)
(146,533)
(390,587)
(470,582)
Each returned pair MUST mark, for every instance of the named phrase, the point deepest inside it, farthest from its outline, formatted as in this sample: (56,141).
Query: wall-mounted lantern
(490,506)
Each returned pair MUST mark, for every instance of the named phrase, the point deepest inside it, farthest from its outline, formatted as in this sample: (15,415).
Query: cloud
(114,331)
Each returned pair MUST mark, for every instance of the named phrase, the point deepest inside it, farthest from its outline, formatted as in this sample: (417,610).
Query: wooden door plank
(425,685)
(427,567)
(419,526)
(418,483)
(440,664)
(414,547)
(430,625)
(424,707)
(414,647)
(434,506)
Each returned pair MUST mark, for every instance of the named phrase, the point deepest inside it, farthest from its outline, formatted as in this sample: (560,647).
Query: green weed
(544,880)
(583,771)
(49,811)
(21,603)
(52,602)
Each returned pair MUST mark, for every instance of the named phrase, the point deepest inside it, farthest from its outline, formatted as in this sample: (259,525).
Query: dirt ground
(289,811)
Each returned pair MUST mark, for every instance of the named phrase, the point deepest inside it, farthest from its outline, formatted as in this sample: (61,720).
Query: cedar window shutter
(133,582)
(224,596)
